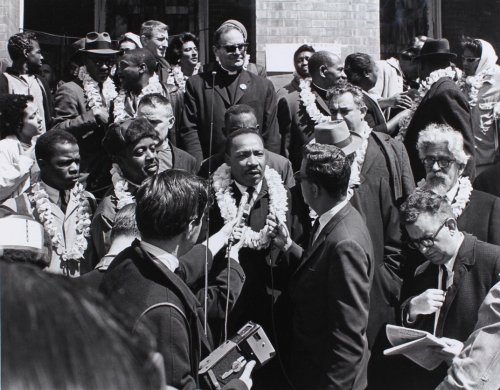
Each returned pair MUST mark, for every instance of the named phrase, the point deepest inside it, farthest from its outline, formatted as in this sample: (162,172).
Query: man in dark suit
(442,151)
(22,78)
(209,95)
(150,282)
(241,116)
(330,288)
(297,115)
(157,109)
(443,103)
(446,291)
(362,71)
(488,181)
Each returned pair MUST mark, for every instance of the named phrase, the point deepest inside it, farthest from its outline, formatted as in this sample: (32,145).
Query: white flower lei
(120,186)
(227,204)
(40,201)
(425,85)
(308,99)
(462,197)
(176,76)
(120,115)
(470,85)
(91,89)
(359,160)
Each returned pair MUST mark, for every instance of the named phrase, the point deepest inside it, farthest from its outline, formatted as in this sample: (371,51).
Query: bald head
(326,69)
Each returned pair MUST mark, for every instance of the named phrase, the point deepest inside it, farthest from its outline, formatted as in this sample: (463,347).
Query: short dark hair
(12,113)
(328,167)
(154,99)
(168,202)
(356,65)
(174,49)
(318,59)
(18,43)
(238,109)
(236,133)
(424,202)
(225,28)
(121,135)
(125,223)
(303,48)
(56,325)
(356,92)
(474,45)
(45,144)
(149,26)
(142,56)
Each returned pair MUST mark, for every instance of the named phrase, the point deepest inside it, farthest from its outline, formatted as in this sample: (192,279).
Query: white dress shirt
(243,189)
(327,216)
(167,259)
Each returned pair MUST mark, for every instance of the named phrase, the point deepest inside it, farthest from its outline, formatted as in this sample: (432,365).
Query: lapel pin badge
(243,86)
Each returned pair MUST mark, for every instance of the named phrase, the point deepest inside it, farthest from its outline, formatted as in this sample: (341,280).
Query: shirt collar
(53,194)
(167,259)
(319,88)
(328,215)
(243,188)
(450,195)
(106,260)
(451,263)
(229,72)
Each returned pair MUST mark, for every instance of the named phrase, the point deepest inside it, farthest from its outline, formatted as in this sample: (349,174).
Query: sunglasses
(232,48)
(99,61)
(426,242)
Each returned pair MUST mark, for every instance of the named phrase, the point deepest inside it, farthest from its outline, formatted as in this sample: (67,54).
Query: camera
(229,359)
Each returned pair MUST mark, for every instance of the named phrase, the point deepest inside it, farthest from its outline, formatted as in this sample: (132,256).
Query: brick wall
(478,19)
(9,25)
(351,23)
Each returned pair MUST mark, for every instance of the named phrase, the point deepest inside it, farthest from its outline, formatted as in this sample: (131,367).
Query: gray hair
(441,133)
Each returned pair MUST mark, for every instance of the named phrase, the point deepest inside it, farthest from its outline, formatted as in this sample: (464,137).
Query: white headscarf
(488,57)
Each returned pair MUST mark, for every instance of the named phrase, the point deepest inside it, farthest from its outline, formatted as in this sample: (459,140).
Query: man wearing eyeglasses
(444,295)
(441,150)
(82,108)
(206,101)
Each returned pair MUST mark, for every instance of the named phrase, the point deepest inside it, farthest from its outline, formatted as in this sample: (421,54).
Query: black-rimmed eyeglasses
(443,162)
(426,242)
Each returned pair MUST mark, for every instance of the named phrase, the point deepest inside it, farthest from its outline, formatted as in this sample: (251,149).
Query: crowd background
(369,189)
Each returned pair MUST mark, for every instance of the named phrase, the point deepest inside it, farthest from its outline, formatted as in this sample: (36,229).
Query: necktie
(64,201)
(444,278)
(314,230)
(250,191)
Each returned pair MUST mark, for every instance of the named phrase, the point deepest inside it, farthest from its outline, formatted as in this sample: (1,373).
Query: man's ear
(323,70)
(144,40)
(363,111)
(26,52)
(315,190)
(143,68)
(452,225)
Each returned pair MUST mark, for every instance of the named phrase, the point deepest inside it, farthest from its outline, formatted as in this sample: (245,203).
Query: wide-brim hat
(436,48)
(98,43)
(337,133)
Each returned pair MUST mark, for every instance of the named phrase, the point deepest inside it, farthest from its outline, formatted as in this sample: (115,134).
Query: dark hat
(337,133)
(98,43)
(120,135)
(436,47)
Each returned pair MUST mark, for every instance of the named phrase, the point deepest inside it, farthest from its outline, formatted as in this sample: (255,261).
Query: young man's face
(62,170)
(343,107)
(301,63)
(34,57)
(129,74)
(158,42)
(139,161)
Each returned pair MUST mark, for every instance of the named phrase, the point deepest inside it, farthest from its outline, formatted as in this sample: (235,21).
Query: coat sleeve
(348,304)
(452,109)
(67,113)
(494,223)
(188,136)
(270,130)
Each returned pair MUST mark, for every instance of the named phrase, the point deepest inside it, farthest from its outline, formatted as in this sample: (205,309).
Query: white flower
(308,99)
(91,90)
(120,186)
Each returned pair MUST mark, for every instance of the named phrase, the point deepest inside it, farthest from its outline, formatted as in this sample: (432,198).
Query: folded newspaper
(417,345)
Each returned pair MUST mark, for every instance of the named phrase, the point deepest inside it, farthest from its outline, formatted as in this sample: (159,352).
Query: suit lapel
(465,259)
(321,103)
(318,243)
(370,157)
(221,91)
(243,80)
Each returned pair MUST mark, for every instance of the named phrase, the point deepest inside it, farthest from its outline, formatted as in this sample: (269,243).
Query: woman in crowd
(20,123)
(129,41)
(182,54)
(481,84)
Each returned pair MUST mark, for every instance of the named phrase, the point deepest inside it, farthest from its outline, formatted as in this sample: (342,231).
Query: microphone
(241,215)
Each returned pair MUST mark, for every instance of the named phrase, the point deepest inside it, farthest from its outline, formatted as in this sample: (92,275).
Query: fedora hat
(98,43)
(337,133)
(436,47)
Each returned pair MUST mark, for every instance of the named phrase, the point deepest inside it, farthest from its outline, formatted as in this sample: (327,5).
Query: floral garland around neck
(177,77)
(227,204)
(425,85)
(462,197)
(91,91)
(120,186)
(308,99)
(40,201)
(119,112)
(470,85)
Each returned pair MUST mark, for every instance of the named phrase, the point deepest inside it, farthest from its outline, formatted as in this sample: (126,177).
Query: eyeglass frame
(416,244)
(99,61)
(232,48)
(439,161)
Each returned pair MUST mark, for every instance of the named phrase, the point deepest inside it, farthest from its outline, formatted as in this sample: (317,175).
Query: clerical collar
(229,72)
(321,89)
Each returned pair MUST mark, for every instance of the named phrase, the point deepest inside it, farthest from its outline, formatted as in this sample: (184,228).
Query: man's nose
(435,166)
(338,116)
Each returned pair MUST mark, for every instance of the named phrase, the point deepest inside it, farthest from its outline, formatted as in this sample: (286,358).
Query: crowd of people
(153,205)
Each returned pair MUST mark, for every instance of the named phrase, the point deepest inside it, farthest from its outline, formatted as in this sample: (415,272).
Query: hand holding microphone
(241,217)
